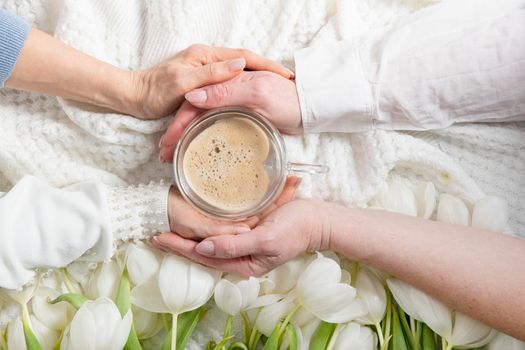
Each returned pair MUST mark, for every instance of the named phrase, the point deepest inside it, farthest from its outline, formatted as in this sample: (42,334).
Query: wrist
(117,90)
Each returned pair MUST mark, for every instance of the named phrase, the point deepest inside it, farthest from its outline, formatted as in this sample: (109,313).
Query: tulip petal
(355,337)
(490,213)
(468,331)
(249,289)
(283,278)
(15,335)
(201,283)
(396,196)
(265,300)
(228,297)
(82,329)
(426,199)
(174,274)
(147,296)
(271,314)
(502,341)
(452,210)
(402,294)
(121,332)
(53,316)
(107,318)
(142,262)
(146,323)
(434,313)
(319,273)
(372,292)
(104,282)
(333,303)
(47,337)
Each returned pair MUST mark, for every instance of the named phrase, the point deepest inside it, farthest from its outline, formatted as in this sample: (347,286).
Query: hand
(290,230)
(160,90)
(191,224)
(267,93)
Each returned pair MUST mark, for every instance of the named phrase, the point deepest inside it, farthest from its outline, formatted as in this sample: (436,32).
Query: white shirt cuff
(334,94)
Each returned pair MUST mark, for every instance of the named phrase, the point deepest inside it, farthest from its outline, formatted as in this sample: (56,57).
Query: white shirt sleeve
(453,62)
(45,227)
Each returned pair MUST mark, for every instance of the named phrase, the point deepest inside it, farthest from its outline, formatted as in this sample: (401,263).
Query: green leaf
(292,336)
(222,343)
(167,342)
(322,336)
(398,338)
(31,341)
(238,345)
(211,345)
(406,329)
(123,302)
(76,300)
(272,343)
(428,341)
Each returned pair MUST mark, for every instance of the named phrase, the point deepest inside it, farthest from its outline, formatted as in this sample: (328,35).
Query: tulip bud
(490,213)
(97,325)
(54,316)
(452,210)
(104,281)
(233,294)
(355,337)
(143,262)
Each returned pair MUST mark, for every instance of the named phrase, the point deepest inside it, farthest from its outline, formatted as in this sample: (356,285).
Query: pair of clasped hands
(201,78)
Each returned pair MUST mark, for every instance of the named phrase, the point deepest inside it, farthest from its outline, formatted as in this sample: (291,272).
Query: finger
(287,195)
(253,61)
(173,243)
(185,115)
(215,72)
(230,93)
(234,246)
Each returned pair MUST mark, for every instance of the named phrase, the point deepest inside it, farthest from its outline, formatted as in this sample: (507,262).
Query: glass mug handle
(308,168)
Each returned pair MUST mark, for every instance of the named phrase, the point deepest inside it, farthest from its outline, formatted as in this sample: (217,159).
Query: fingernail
(242,229)
(196,96)
(161,158)
(160,141)
(205,248)
(236,64)
(292,74)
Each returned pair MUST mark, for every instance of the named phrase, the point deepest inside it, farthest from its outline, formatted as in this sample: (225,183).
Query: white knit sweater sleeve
(45,227)
(453,62)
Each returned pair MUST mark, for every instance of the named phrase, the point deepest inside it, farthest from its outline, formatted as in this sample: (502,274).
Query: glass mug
(276,163)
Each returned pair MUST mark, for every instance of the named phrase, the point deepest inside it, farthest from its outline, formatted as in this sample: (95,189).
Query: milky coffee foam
(224,164)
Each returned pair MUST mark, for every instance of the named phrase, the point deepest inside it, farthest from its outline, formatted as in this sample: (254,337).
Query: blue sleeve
(13,34)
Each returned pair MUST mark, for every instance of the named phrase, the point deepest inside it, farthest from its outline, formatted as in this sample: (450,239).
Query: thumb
(230,93)
(233,246)
(215,72)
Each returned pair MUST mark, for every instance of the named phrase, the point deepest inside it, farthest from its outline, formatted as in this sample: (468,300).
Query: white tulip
(97,325)
(425,199)
(490,213)
(55,316)
(452,210)
(147,324)
(306,333)
(283,279)
(372,292)
(353,336)
(320,291)
(397,196)
(181,285)
(46,336)
(104,281)
(456,328)
(233,294)
(504,342)
(143,262)
(270,315)
(80,272)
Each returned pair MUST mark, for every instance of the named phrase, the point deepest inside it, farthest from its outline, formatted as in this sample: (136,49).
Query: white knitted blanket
(63,143)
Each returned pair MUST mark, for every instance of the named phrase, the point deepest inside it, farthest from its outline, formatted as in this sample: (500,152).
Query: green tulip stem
(380,335)
(174,331)
(67,281)
(413,327)
(228,326)
(289,317)
(354,270)
(449,347)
